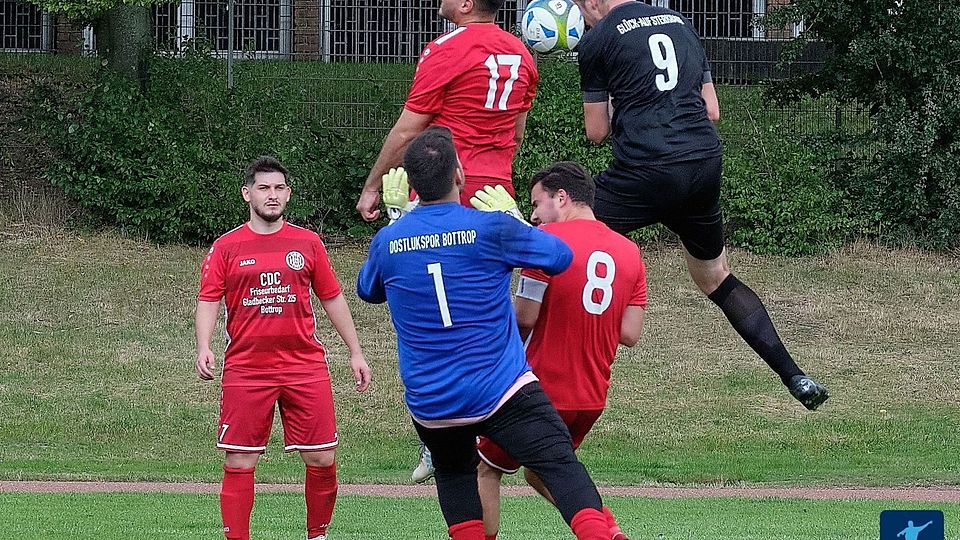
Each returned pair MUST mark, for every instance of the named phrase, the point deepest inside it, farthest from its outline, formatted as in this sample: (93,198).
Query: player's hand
(361,371)
(205,364)
(369,204)
(496,199)
(396,190)
(493,199)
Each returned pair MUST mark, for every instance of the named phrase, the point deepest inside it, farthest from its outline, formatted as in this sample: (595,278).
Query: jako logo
(911,525)
(247,262)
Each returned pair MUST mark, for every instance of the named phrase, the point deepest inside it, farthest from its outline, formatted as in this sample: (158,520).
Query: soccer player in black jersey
(646,82)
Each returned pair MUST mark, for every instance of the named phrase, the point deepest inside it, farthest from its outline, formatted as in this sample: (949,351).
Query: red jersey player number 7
(264,272)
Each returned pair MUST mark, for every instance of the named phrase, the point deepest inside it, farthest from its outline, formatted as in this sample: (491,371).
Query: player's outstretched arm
(408,126)
(339,314)
(205,324)
(496,199)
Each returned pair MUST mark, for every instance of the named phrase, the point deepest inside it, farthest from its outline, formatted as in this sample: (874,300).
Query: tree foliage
(85,11)
(122,27)
(900,60)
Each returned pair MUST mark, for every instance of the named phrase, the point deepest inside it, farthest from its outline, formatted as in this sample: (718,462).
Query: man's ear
(245,192)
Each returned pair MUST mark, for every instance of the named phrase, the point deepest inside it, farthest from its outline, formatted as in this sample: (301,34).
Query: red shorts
(578,422)
(306,411)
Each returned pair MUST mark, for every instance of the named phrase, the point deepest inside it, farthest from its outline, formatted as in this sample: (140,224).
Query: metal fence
(326,30)
(360,32)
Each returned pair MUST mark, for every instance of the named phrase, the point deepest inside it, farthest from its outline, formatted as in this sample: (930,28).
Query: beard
(443,15)
(269,217)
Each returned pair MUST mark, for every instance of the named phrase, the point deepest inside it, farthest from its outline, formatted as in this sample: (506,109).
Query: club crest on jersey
(247,262)
(295,260)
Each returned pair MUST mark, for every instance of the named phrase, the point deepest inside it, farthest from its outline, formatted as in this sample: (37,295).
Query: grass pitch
(97,380)
(281,517)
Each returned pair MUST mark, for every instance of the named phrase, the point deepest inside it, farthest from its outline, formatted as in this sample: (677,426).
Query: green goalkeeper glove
(496,199)
(396,194)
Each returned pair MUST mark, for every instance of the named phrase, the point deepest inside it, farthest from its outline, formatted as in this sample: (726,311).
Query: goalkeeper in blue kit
(444,271)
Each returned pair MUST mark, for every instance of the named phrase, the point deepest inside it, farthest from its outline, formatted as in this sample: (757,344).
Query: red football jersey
(265,281)
(575,339)
(477,80)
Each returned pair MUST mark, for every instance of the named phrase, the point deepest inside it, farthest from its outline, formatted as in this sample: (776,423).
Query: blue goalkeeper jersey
(445,270)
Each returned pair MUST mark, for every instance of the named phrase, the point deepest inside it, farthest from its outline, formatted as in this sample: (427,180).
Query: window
(261,27)
(735,19)
(720,18)
(390,31)
(24,27)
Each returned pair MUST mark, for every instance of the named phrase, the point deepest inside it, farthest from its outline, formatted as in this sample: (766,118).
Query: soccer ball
(552,25)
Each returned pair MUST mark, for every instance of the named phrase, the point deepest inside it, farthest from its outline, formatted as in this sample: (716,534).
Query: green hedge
(167,163)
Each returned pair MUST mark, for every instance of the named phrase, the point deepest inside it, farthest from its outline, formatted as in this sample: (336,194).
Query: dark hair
(569,176)
(430,161)
(489,7)
(264,164)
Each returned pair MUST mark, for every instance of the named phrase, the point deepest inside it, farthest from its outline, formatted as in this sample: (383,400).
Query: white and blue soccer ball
(552,25)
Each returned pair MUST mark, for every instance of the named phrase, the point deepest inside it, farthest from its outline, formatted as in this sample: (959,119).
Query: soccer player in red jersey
(264,271)
(599,300)
(477,80)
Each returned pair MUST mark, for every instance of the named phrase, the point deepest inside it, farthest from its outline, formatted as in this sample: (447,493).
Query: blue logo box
(911,525)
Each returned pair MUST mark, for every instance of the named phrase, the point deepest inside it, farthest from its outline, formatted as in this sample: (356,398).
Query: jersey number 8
(596,283)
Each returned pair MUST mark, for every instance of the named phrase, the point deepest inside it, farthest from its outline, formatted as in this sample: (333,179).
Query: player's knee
(241,460)
(708,275)
(485,471)
(319,459)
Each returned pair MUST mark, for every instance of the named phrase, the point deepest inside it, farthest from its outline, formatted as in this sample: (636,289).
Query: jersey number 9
(664,57)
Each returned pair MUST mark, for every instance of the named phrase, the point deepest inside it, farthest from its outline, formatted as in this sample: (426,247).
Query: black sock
(749,318)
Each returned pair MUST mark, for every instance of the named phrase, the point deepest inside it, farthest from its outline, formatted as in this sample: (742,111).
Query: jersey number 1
(436,271)
(493,63)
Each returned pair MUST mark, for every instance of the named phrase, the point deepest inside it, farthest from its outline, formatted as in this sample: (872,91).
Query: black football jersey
(649,60)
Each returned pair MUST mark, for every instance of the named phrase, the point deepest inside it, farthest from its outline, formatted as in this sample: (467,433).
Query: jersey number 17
(493,63)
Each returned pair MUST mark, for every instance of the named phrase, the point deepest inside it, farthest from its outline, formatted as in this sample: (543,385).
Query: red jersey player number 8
(603,283)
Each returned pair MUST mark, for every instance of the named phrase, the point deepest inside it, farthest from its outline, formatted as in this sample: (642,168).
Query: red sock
(615,532)
(236,502)
(590,524)
(320,490)
(467,530)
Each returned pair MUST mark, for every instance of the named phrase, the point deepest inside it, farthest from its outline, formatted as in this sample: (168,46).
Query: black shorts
(529,429)
(684,196)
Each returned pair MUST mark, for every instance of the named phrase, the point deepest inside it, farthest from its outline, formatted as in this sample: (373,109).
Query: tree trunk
(125,40)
